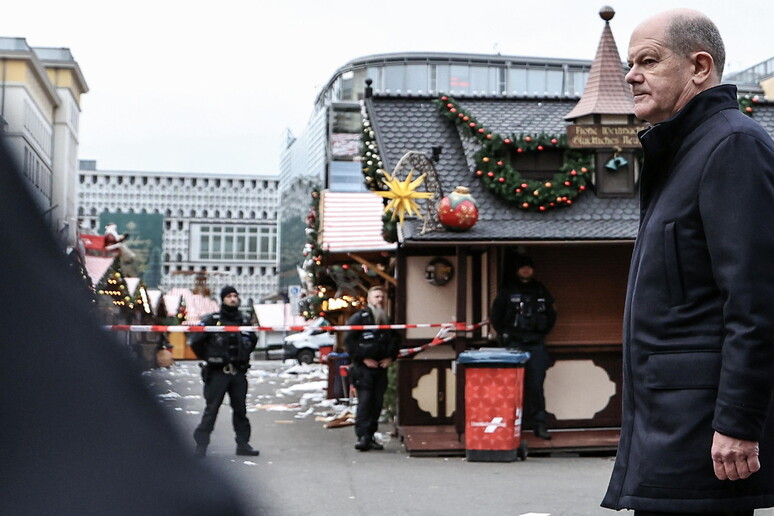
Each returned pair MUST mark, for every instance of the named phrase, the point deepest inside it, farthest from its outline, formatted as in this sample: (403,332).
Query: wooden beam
(373,267)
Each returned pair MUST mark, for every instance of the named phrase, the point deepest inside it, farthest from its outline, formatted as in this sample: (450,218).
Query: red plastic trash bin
(494,393)
(324,351)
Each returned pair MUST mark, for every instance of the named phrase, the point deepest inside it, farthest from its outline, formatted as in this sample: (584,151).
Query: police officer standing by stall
(522,314)
(371,353)
(228,359)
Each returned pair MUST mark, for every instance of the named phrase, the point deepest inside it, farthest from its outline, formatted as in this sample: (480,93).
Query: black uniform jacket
(376,344)
(698,337)
(531,318)
(224,348)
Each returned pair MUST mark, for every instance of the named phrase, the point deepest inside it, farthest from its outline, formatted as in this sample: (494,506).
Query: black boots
(363,443)
(246,449)
(540,431)
(367,442)
(241,449)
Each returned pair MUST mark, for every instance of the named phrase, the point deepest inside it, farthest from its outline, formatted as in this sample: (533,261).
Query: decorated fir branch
(493,166)
(746,104)
(313,254)
(369,153)
(114,285)
(182,312)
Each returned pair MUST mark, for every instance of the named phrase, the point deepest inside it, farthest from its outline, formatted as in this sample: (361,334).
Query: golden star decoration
(402,195)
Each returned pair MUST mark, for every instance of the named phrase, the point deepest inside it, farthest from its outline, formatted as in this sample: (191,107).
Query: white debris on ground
(299,388)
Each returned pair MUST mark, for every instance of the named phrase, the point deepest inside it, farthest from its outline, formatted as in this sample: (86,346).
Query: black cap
(228,289)
(522,260)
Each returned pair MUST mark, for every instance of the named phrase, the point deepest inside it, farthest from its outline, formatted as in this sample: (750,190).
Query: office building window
(416,78)
(233,242)
(346,176)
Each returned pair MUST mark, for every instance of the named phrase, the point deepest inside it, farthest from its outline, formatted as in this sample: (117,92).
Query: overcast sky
(196,86)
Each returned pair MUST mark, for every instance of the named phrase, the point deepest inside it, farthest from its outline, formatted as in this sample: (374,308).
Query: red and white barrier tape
(455,326)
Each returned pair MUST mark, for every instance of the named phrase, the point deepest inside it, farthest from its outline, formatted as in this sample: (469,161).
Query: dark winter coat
(376,344)
(698,352)
(220,349)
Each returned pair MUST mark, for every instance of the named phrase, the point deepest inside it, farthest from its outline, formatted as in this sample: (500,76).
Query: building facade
(40,98)
(223,224)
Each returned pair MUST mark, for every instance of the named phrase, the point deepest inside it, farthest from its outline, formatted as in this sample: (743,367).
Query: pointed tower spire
(606,91)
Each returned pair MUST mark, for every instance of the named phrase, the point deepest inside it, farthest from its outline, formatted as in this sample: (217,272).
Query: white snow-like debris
(306,387)
(169,396)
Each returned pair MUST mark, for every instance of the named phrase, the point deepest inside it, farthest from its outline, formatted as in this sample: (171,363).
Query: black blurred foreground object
(80,433)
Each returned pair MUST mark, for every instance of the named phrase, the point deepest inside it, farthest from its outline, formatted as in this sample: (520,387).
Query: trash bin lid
(493,356)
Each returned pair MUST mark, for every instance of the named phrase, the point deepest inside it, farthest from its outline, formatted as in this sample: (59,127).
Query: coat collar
(667,136)
(661,142)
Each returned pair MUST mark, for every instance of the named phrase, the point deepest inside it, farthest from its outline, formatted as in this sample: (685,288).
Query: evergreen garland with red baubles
(493,166)
(746,104)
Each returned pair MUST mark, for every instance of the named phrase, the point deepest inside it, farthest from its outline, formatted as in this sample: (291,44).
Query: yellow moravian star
(402,195)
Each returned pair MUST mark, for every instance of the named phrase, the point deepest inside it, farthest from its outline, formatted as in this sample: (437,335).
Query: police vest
(527,312)
(224,348)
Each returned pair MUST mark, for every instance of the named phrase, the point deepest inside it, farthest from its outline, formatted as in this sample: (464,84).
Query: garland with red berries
(746,104)
(494,169)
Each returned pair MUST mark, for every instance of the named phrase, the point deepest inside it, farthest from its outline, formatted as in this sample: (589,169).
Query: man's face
(231,299)
(525,272)
(376,298)
(661,80)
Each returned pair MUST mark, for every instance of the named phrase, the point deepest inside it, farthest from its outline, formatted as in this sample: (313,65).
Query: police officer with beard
(522,314)
(371,353)
(228,359)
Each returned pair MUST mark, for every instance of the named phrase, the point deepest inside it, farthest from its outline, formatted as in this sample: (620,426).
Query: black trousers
(216,385)
(727,513)
(534,376)
(371,384)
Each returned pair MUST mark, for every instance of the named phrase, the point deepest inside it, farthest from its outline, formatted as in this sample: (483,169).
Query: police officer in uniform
(371,353)
(228,359)
(522,314)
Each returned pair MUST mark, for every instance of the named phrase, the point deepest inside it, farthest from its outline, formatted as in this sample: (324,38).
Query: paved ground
(306,469)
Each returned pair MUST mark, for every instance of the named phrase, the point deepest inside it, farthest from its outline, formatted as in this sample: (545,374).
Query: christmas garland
(494,169)
(373,173)
(369,152)
(746,104)
(313,256)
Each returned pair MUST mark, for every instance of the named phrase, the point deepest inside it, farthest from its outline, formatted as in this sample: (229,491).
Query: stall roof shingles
(404,124)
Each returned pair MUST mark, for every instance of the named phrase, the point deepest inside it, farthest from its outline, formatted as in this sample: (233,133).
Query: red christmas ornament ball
(458,211)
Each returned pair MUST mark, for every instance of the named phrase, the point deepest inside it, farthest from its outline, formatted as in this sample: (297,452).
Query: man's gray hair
(687,34)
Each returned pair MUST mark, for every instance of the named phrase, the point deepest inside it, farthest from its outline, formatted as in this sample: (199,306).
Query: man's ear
(703,69)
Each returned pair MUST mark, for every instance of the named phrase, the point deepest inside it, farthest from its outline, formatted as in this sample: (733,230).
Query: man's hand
(734,458)
(370,362)
(385,362)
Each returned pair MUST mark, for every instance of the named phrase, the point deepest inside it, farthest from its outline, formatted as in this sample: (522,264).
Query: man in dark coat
(81,433)
(698,356)
(522,314)
(228,359)
(371,353)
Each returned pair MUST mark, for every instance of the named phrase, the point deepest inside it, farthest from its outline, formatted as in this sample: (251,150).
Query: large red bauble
(458,211)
